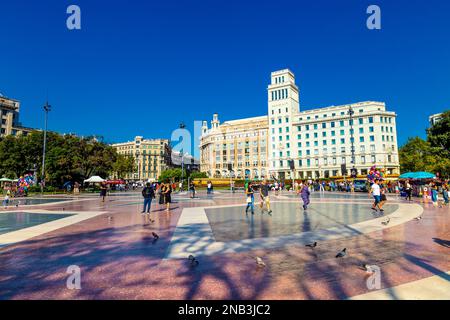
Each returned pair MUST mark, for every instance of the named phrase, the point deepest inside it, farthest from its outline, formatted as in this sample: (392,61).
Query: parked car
(360,186)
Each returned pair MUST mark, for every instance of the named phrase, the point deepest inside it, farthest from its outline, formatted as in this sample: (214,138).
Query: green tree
(199,175)
(416,155)
(172,175)
(439,135)
(124,165)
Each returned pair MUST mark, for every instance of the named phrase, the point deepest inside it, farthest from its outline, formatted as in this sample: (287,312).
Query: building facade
(237,148)
(9,110)
(435,118)
(150,157)
(318,143)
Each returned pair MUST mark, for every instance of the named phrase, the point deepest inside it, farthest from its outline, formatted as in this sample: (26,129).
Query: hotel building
(9,110)
(149,154)
(289,143)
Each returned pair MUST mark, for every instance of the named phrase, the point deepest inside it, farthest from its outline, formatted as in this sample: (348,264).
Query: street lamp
(351,113)
(47,109)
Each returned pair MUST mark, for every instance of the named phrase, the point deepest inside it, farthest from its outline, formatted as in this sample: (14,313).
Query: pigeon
(419,218)
(155,236)
(366,268)
(311,245)
(342,253)
(110,218)
(260,262)
(194,262)
(386,222)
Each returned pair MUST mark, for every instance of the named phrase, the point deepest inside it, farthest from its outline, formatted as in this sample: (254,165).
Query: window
(334,161)
(280,130)
(287,120)
(324,134)
(307,127)
(333,133)
(316,152)
(332,124)
(315,135)
(362,149)
(361,139)
(299,136)
(287,138)
(342,132)
(299,128)
(307,136)
(299,153)
(308,162)
(315,126)
(307,143)
(287,129)
(308,152)
(316,143)
(273,121)
(360,120)
(372,138)
(361,130)
(333,141)
(324,142)
(372,148)
(324,125)
(280,138)
(370,119)
(363,159)
(341,123)
(371,129)
(299,144)
(279,121)
(343,160)
(342,149)
(373,158)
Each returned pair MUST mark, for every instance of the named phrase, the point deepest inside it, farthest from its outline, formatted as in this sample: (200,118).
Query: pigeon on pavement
(260,262)
(311,245)
(342,253)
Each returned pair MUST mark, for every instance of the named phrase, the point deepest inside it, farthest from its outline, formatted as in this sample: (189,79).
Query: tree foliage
(432,155)
(68,157)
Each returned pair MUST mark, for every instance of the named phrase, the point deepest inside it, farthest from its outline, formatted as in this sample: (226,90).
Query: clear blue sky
(141,67)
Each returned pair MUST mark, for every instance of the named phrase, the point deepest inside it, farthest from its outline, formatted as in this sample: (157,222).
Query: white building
(314,143)
(435,118)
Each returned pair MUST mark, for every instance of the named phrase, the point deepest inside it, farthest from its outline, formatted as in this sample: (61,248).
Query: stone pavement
(119,258)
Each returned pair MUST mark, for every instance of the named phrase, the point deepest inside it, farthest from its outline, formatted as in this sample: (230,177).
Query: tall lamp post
(47,109)
(351,113)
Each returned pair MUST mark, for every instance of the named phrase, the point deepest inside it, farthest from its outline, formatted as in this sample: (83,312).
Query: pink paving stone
(119,261)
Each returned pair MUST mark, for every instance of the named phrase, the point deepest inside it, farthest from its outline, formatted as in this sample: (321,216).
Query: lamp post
(47,109)
(351,113)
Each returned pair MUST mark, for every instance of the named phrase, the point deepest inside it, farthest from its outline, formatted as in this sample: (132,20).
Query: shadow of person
(442,242)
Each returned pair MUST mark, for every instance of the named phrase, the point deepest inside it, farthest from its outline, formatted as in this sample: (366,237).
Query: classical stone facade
(150,156)
(9,111)
(288,143)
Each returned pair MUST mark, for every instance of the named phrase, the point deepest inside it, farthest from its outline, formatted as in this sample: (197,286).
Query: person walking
(376,193)
(445,195)
(209,187)
(265,200)
(383,198)
(192,190)
(434,194)
(149,194)
(250,198)
(103,190)
(408,190)
(304,194)
(168,196)
(161,192)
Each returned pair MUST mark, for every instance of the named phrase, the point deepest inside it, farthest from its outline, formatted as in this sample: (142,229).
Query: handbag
(249,199)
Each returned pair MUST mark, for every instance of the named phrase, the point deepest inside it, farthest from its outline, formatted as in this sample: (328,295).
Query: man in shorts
(264,193)
(376,193)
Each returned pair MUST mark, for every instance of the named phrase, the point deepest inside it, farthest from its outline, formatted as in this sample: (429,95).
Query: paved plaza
(119,257)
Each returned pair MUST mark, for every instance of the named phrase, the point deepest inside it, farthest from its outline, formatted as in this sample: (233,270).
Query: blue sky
(142,67)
